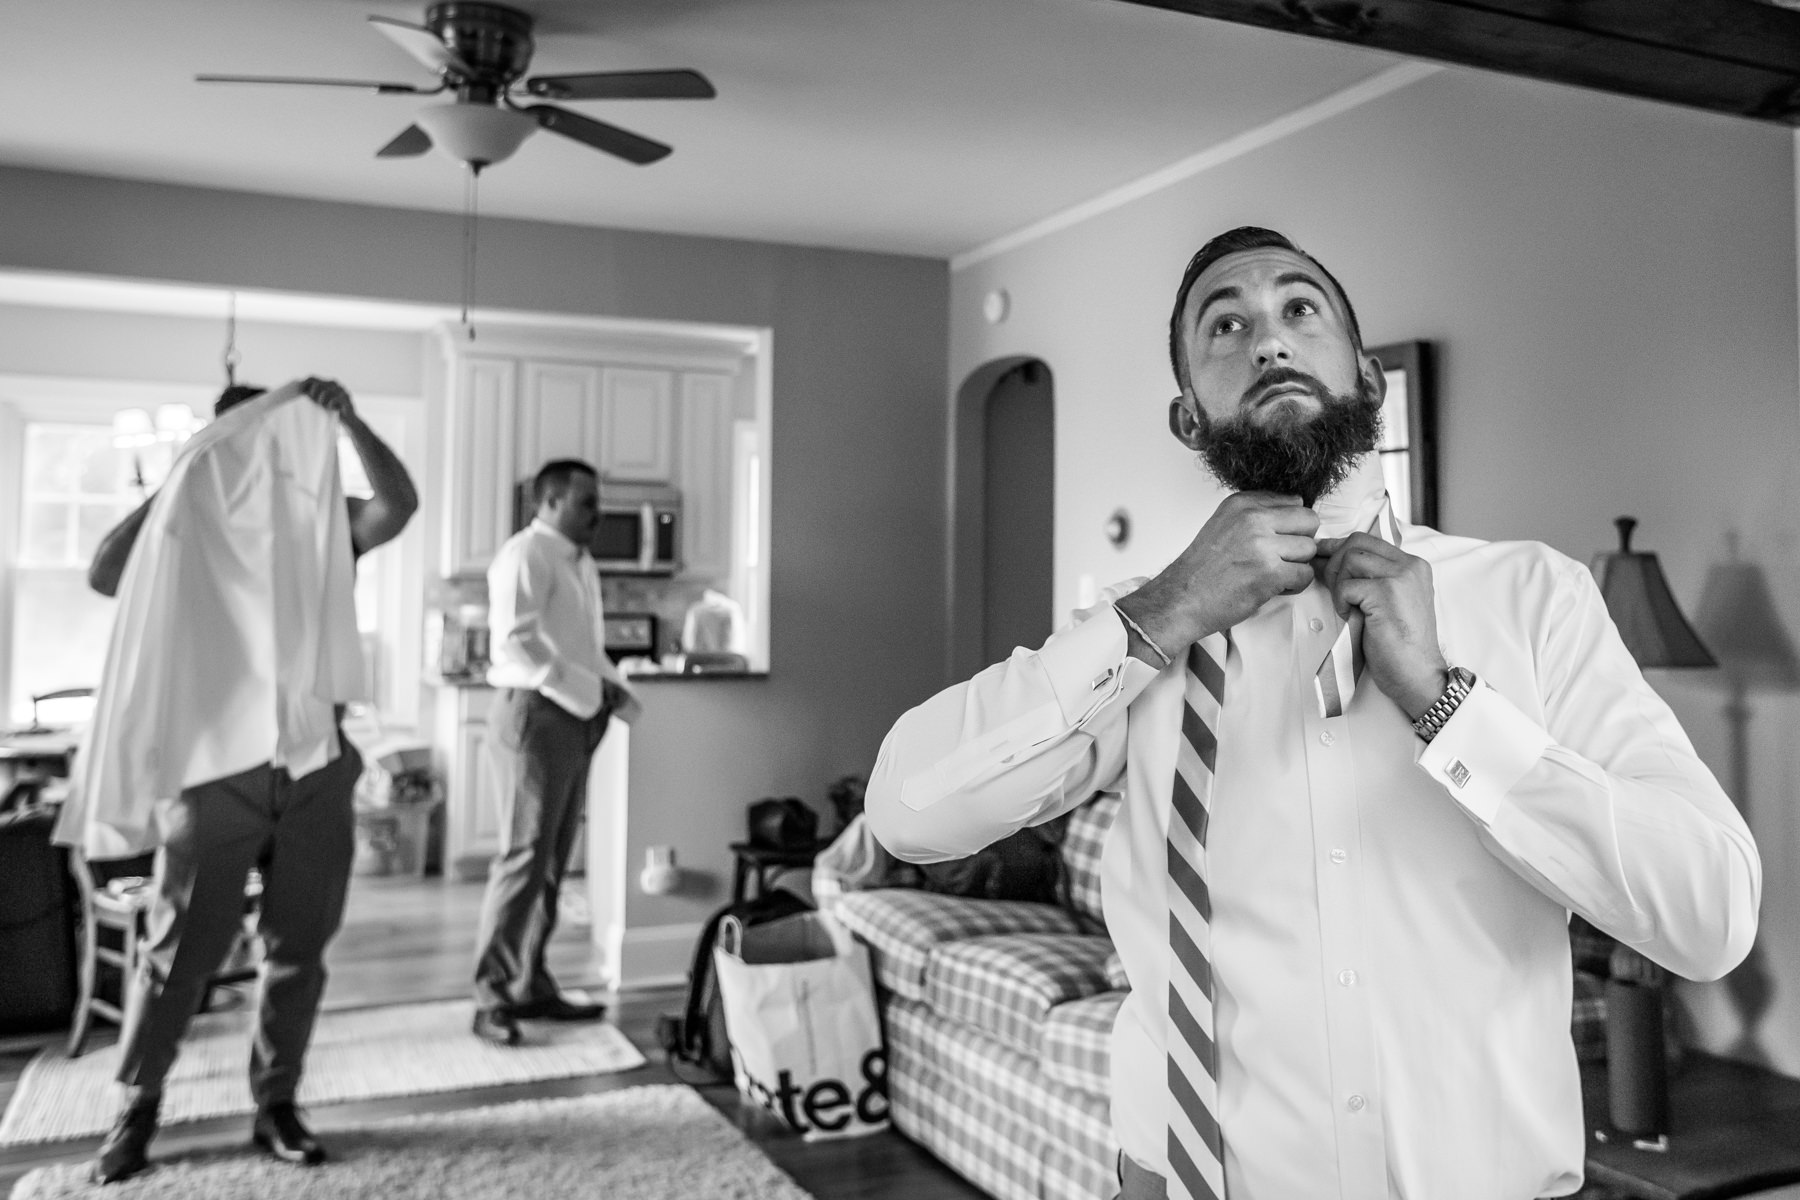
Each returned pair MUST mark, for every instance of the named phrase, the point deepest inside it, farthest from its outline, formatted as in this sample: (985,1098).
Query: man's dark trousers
(301,834)
(550,749)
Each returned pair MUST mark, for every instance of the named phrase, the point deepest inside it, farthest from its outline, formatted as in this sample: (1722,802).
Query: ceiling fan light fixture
(476,134)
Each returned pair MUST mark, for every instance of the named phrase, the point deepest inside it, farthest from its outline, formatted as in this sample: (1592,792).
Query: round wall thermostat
(995,305)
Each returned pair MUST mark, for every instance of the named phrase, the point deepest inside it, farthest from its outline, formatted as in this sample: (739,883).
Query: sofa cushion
(1006,984)
(1115,973)
(902,926)
(1083,841)
(1078,1043)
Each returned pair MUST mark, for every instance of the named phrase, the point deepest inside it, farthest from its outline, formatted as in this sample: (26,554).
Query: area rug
(357,1054)
(643,1143)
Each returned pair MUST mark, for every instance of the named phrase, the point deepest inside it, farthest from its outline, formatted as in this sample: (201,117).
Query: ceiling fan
(480,52)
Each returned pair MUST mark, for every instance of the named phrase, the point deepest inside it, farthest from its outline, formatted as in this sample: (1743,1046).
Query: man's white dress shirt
(235,637)
(546,632)
(1389,932)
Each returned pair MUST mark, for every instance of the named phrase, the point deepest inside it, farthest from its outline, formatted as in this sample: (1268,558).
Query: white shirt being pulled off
(1389,933)
(236,633)
(546,632)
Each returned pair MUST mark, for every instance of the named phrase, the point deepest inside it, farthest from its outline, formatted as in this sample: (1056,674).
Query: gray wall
(1611,286)
(857,458)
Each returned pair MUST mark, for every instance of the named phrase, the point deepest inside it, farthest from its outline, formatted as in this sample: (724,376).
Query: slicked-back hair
(235,395)
(552,480)
(1236,241)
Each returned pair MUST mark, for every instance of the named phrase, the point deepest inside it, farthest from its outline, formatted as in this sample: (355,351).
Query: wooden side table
(763,863)
(1735,1131)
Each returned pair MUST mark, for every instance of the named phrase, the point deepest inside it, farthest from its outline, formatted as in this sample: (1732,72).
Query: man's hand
(1399,639)
(1255,546)
(330,395)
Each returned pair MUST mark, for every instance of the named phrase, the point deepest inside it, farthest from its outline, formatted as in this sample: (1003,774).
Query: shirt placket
(1355,1085)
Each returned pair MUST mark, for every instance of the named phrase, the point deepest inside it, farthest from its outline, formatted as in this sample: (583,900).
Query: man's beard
(1294,454)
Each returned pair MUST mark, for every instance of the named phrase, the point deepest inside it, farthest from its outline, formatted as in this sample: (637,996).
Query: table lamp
(1650,622)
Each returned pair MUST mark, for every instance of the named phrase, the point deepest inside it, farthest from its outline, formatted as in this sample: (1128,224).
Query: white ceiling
(916,126)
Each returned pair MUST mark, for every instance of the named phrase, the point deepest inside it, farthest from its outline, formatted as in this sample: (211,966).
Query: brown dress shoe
(279,1130)
(126,1150)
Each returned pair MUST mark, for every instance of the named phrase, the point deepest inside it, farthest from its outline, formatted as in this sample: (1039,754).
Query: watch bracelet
(1457,686)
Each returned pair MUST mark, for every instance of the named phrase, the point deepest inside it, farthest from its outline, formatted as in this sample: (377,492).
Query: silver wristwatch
(1462,681)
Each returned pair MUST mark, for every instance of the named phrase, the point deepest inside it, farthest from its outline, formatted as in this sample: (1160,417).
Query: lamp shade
(1642,607)
(478,134)
(1738,616)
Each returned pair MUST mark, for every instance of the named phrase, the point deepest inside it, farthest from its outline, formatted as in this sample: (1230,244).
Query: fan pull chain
(471,202)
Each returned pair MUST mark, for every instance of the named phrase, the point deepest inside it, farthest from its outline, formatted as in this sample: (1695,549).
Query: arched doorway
(1002,510)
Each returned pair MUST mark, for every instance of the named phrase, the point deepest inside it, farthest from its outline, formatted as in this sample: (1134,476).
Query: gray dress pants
(301,834)
(549,750)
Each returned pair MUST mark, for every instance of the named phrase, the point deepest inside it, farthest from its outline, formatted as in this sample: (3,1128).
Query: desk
(1736,1133)
(764,863)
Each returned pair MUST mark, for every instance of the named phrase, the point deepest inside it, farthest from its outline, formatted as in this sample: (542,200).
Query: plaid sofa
(999,1014)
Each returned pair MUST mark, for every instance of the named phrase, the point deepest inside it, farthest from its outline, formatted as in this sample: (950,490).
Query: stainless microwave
(639,531)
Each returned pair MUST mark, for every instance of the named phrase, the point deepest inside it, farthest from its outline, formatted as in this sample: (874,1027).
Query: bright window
(76,486)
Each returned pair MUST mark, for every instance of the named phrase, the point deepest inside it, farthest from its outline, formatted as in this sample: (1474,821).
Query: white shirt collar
(566,544)
(1352,505)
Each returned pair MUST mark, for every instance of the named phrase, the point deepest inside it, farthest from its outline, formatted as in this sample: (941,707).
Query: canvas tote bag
(800,1012)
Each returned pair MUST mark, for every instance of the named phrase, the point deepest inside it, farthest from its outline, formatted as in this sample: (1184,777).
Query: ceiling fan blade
(598,134)
(423,45)
(410,142)
(372,84)
(623,85)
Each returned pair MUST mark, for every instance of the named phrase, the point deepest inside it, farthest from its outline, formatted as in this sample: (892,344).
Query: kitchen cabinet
(559,415)
(637,425)
(708,402)
(472,782)
(641,410)
(478,457)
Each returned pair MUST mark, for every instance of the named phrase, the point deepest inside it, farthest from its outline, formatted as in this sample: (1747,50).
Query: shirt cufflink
(1482,751)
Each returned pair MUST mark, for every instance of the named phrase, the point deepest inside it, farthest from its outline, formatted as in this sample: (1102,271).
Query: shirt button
(1356,1104)
(1316,624)
(1327,738)
(1339,856)
(1347,977)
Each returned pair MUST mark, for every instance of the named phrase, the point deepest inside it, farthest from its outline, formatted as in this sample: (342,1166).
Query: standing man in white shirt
(559,689)
(300,832)
(1342,908)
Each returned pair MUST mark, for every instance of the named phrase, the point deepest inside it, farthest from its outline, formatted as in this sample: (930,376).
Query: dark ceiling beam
(1730,56)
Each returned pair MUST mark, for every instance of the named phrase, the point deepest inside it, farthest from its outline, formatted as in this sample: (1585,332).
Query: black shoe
(278,1130)
(126,1150)
(559,1008)
(496,1025)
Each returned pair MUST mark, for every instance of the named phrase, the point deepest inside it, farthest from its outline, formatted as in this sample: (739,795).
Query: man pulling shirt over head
(1368,770)
(548,654)
(215,738)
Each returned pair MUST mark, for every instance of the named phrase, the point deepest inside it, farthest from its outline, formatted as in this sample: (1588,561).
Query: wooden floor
(410,939)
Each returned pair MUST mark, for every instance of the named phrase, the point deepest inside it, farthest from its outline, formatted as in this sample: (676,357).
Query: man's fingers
(1295,577)
(1296,548)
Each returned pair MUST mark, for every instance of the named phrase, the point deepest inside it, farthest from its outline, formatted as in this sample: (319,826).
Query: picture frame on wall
(1408,445)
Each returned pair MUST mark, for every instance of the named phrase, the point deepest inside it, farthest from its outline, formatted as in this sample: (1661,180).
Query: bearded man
(1367,772)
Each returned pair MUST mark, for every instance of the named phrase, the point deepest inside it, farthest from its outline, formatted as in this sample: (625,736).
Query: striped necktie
(1335,681)
(1196,1154)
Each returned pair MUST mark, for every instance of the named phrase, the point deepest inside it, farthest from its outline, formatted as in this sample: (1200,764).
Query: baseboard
(656,955)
